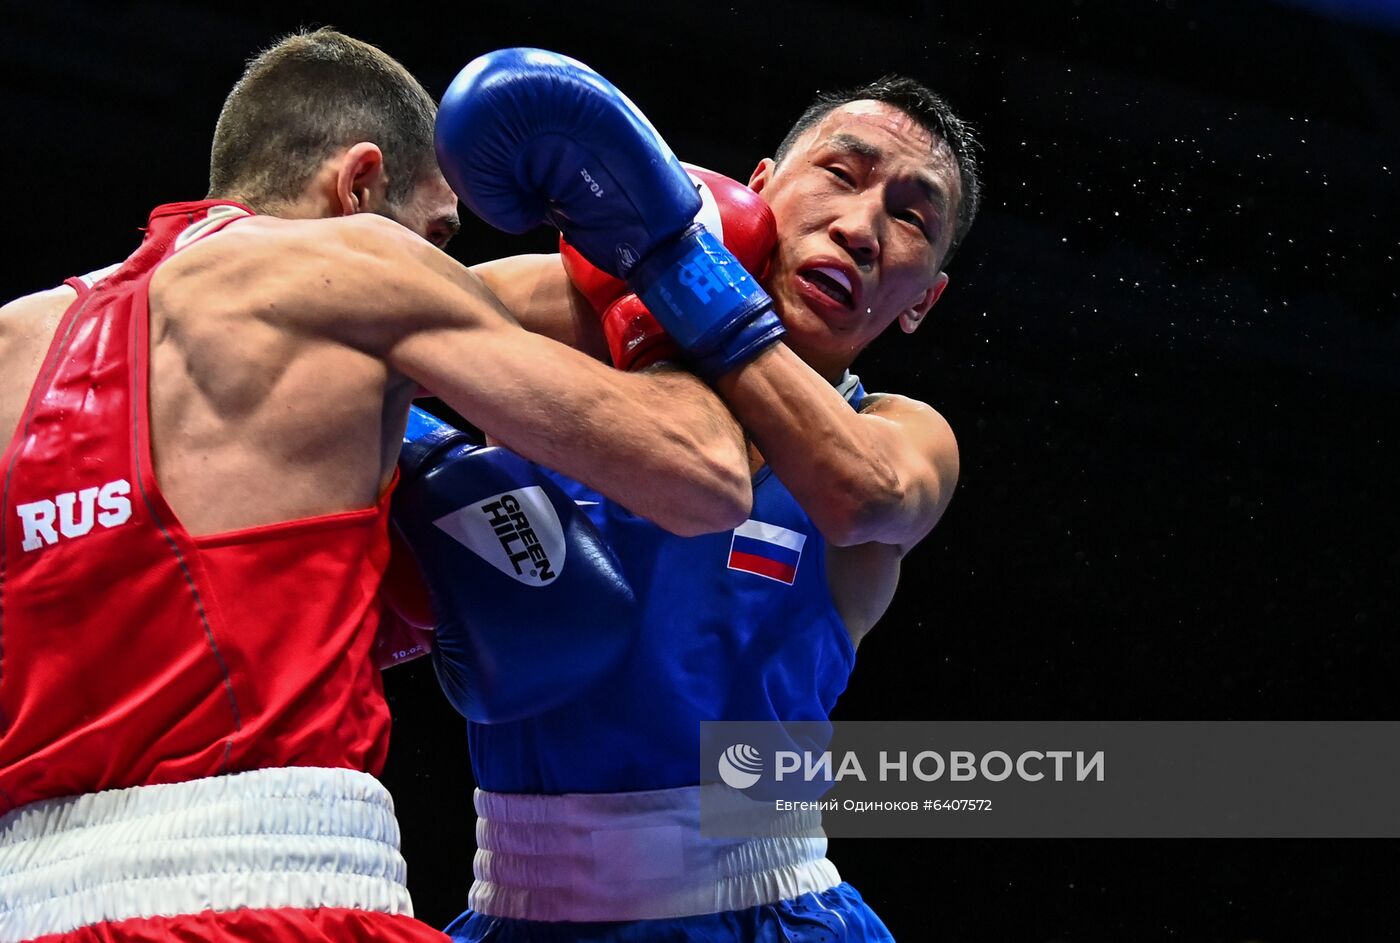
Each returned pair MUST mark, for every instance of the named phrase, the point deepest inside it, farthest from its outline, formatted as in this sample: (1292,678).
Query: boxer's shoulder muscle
(363,281)
(27,326)
(920,422)
(296,274)
(261,411)
(931,464)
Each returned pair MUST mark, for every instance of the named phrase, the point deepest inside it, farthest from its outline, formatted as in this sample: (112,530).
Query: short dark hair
(308,95)
(927,108)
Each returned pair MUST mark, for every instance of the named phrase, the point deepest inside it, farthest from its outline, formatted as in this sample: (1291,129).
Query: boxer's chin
(813,337)
(819,311)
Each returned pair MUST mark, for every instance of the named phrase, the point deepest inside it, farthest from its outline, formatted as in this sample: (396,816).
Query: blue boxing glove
(531,606)
(527,136)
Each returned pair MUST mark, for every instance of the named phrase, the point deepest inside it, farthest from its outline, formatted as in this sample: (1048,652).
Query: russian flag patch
(766,550)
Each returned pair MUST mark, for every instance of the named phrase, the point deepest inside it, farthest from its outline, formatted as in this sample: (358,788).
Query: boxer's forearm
(861,477)
(660,443)
(537,292)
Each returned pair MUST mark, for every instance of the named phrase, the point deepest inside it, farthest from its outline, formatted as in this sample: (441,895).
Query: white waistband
(633,856)
(295,837)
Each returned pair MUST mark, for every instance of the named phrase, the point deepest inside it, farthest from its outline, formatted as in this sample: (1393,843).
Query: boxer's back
(251,422)
(155,628)
(254,421)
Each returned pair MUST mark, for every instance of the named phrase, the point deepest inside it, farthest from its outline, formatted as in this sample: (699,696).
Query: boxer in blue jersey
(589,806)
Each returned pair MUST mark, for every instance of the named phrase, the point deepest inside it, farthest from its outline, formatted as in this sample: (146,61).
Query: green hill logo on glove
(517,532)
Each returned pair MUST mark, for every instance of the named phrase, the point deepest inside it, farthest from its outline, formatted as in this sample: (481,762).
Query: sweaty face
(430,211)
(865,204)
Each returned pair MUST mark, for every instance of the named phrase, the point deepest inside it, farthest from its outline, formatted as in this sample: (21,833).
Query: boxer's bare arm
(539,295)
(884,475)
(875,483)
(369,286)
(537,292)
(830,473)
(26,327)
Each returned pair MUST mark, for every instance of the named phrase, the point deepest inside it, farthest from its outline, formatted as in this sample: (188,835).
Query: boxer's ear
(761,175)
(910,320)
(360,181)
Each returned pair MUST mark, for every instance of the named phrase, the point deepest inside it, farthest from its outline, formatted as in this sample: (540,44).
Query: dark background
(1169,353)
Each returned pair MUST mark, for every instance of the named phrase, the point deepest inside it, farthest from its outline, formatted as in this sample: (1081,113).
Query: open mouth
(831,282)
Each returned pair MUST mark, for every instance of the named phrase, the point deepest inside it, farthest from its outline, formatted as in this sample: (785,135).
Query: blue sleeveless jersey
(738,626)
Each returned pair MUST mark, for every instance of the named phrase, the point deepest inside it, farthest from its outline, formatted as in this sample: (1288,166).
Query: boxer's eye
(841,175)
(915,220)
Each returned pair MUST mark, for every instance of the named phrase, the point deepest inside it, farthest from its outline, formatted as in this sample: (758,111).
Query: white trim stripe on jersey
(212,222)
(92,278)
(771,533)
(279,838)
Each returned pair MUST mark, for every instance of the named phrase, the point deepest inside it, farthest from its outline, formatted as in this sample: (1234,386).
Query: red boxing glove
(406,627)
(730,210)
(635,339)
(739,217)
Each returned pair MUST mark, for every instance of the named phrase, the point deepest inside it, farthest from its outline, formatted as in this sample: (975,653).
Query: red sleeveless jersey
(132,653)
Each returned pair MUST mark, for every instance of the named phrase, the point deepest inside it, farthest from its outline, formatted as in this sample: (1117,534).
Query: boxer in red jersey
(202,441)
